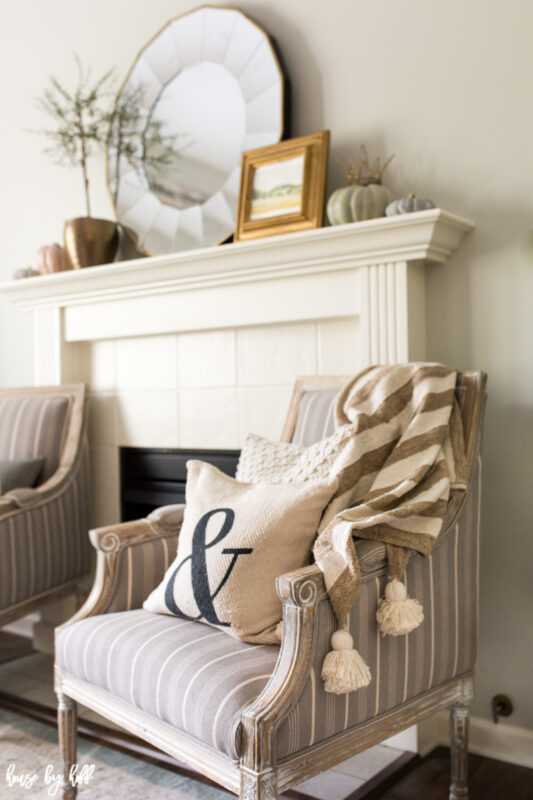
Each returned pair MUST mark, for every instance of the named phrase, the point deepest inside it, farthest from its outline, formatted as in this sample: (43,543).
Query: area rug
(29,769)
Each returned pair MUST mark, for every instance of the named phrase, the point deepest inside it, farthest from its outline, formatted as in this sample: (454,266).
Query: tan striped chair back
(36,422)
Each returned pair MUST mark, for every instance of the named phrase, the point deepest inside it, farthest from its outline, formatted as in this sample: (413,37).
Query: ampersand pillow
(236,539)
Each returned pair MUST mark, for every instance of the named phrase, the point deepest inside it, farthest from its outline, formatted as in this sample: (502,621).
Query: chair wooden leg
(459,751)
(258,786)
(67,723)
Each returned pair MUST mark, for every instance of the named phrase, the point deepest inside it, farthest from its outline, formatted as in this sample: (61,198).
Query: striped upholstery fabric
(46,545)
(34,426)
(316,420)
(316,416)
(140,569)
(193,676)
(446,582)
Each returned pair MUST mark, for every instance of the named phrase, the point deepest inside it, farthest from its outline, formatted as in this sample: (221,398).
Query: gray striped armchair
(256,719)
(43,529)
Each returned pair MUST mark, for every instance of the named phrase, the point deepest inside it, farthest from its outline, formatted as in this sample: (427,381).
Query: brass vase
(90,241)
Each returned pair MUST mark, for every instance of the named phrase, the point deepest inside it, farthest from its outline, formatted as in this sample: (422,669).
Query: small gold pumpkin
(52,258)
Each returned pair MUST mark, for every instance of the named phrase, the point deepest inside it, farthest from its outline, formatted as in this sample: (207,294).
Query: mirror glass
(206,89)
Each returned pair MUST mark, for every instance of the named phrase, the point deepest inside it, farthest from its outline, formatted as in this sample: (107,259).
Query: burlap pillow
(236,539)
(284,462)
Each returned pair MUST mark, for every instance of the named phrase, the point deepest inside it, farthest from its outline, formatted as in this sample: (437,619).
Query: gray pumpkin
(364,197)
(358,202)
(406,205)
(370,201)
(338,208)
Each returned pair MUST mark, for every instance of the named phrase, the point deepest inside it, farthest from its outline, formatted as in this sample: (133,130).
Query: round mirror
(207,88)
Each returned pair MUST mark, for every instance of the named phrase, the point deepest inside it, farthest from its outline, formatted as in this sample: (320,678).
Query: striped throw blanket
(410,454)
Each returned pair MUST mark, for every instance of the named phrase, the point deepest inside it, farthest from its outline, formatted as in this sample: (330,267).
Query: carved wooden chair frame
(258,775)
(73,452)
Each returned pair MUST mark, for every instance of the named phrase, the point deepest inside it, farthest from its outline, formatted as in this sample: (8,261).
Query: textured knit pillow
(236,539)
(20,474)
(285,462)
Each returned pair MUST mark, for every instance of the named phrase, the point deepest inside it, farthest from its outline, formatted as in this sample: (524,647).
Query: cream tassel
(398,614)
(344,670)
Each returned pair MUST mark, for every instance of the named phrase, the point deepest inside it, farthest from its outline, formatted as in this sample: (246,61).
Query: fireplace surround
(194,350)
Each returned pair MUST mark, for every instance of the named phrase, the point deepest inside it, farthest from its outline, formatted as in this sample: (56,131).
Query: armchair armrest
(437,652)
(300,592)
(132,558)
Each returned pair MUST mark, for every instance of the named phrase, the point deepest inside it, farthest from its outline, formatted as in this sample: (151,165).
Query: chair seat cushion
(194,677)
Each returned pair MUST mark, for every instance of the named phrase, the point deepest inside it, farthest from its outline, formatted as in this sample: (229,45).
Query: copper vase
(90,241)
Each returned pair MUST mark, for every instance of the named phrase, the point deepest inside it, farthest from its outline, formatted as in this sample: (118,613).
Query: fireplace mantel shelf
(372,273)
(422,236)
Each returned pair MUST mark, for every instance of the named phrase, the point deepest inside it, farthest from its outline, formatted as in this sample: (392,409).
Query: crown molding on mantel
(422,236)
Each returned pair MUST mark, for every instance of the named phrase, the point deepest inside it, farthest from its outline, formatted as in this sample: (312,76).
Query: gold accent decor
(285,209)
(90,241)
(363,173)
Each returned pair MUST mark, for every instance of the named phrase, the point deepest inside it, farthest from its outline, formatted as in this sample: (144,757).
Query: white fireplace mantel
(372,269)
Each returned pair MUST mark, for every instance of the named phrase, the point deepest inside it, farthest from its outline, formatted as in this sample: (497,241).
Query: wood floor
(13,646)
(488,780)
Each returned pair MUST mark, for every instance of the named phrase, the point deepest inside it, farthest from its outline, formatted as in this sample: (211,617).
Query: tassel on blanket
(344,670)
(398,614)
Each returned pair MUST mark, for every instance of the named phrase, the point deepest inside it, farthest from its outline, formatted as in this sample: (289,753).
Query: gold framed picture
(282,187)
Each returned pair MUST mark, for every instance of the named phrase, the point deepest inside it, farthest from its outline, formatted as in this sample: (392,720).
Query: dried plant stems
(363,172)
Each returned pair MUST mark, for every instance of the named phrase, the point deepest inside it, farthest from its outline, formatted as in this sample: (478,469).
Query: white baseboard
(503,742)
(24,625)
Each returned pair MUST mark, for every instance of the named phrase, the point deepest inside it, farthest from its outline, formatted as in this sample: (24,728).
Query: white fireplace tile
(208,418)
(101,365)
(148,418)
(146,362)
(102,420)
(339,346)
(263,410)
(275,354)
(206,359)
(105,506)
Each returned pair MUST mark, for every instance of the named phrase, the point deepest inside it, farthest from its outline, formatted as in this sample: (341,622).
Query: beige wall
(444,84)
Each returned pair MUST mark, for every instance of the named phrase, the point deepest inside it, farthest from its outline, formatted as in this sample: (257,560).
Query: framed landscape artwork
(282,187)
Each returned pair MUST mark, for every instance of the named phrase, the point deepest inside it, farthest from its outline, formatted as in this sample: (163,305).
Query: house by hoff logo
(200,583)
(54,781)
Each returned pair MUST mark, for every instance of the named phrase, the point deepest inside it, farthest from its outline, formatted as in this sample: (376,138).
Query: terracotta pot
(90,241)
(52,258)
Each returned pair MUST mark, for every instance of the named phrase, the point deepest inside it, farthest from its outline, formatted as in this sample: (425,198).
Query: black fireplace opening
(151,477)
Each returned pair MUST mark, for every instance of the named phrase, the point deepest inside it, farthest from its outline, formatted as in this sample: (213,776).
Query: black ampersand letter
(200,582)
